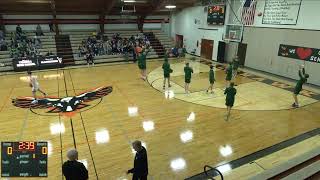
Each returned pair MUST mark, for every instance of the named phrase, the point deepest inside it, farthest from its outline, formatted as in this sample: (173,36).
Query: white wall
(27,27)
(27,16)
(307,19)
(77,16)
(166,28)
(70,27)
(263,41)
(262,51)
(158,17)
(152,26)
(31,27)
(120,26)
(183,23)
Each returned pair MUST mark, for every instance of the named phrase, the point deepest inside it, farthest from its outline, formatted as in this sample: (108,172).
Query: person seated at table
(39,31)
(49,53)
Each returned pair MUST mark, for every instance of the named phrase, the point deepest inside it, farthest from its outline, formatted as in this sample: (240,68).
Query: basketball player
(166,73)
(230,94)
(229,74)
(34,84)
(298,88)
(187,77)
(142,63)
(211,79)
(235,66)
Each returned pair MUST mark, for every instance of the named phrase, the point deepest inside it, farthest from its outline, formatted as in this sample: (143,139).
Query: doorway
(206,49)
(179,40)
(242,50)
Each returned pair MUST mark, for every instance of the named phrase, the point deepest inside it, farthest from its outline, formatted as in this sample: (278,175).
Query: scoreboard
(216,15)
(24,159)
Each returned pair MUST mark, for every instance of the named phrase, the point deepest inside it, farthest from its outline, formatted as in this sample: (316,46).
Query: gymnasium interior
(86,56)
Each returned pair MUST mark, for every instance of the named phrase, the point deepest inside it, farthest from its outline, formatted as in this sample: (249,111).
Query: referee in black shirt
(72,169)
(140,168)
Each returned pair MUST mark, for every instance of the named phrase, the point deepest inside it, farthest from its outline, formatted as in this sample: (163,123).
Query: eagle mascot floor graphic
(66,106)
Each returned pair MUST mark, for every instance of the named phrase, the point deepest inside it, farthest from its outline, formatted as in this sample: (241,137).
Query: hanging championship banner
(301,53)
(281,12)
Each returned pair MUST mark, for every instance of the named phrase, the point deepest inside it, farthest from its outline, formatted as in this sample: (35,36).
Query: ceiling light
(171,6)
(129,1)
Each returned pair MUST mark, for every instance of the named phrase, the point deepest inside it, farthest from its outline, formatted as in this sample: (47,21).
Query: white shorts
(35,88)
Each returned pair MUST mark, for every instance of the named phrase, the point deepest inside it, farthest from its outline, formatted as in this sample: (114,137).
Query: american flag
(248,12)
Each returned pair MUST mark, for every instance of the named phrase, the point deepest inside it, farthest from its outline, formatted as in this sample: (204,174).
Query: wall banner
(301,53)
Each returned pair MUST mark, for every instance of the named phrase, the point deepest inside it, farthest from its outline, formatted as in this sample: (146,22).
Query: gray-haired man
(72,169)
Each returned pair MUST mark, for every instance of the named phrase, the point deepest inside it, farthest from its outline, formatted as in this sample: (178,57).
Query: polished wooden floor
(180,136)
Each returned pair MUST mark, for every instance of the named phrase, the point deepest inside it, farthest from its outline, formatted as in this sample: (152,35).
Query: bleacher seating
(5,61)
(76,38)
(48,43)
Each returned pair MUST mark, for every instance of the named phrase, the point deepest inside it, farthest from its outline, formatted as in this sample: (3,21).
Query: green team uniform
(235,65)
(230,92)
(229,73)
(142,60)
(299,84)
(187,74)
(184,51)
(211,76)
(166,69)
(166,56)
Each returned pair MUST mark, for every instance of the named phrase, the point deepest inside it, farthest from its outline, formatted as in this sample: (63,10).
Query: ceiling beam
(54,16)
(109,5)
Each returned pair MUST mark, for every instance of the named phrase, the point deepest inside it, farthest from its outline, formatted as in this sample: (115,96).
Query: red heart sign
(303,53)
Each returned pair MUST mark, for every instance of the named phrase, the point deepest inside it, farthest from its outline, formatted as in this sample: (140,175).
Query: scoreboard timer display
(24,159)
(216,15)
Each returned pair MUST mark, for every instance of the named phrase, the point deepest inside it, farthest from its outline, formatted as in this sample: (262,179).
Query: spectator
(140,168)
(89,57)
(1,34)
(72,169)
(18,30)
(39,31)
(51,27)
(49,53)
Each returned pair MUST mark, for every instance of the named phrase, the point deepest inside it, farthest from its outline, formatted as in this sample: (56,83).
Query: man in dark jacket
(72,169)
(140,168)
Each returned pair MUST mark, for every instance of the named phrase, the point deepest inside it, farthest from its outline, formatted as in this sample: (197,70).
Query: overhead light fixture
(171,6)
(129,1)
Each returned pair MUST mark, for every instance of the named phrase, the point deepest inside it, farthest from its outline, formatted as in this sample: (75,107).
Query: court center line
(71,124)
(24,124)
(85,131)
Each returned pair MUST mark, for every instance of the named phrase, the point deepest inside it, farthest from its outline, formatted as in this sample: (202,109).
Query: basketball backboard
(233,32)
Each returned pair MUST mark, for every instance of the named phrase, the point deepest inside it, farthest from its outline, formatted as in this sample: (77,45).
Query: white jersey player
(34,84)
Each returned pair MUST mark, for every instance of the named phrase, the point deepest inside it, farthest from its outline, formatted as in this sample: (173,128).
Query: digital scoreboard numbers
(216,15)
(24,159)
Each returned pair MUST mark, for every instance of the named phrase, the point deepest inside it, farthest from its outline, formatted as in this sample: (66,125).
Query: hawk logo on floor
(67,106)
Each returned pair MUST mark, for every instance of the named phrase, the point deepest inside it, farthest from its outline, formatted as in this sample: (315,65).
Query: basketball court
(100,109)
(181,133)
